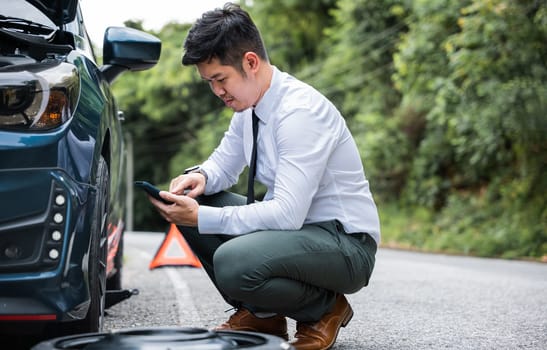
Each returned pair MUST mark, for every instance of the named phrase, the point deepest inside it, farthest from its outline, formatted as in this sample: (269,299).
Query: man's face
(237,91)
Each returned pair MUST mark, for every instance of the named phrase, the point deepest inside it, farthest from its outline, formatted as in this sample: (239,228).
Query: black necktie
(252,166)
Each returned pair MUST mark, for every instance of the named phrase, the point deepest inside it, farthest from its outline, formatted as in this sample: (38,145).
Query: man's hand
(183,211)
(194,182)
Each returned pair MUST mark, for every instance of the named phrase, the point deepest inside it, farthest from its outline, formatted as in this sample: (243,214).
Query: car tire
(93,322)
(167,338)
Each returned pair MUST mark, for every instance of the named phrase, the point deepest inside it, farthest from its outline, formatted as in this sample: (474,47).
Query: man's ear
(251,61)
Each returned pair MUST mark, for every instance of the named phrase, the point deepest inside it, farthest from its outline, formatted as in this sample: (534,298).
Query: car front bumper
(44,245)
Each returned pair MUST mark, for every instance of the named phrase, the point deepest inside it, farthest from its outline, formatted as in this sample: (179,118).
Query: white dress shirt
(306,158)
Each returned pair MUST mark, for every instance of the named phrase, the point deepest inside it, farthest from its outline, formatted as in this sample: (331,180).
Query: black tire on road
(167,338)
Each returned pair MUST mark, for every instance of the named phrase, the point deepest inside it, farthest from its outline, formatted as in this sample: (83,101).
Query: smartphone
(151,190)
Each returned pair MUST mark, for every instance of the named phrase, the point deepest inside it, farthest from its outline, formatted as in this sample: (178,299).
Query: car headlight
(39,96)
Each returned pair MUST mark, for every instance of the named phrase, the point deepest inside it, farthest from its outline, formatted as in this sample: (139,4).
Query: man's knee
(238,271)
(231,269)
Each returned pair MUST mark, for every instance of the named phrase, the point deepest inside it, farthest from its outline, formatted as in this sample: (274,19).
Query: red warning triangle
(174,251)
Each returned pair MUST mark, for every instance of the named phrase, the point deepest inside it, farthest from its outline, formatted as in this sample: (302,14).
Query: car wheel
(93,322)
(167,338)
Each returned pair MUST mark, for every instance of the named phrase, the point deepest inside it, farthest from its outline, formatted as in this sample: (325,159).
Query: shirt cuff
(208,184)
(209,219)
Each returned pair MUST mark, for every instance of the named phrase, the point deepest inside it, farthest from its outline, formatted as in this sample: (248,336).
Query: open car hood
(59,11)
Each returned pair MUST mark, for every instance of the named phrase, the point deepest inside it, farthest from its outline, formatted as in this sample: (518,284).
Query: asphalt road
(414,301)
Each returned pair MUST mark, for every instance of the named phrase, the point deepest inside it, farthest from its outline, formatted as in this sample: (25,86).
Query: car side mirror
(128,49)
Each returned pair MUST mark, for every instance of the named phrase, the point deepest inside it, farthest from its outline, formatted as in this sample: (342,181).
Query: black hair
(226,34)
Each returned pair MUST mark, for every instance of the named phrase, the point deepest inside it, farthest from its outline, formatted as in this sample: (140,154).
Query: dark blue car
(62,165)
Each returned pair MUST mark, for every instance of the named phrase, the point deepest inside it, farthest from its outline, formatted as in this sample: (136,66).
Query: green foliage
(420,61)
(357,66)
(292,29)
(384,149)
(490,102)
(470,225)
(498,69)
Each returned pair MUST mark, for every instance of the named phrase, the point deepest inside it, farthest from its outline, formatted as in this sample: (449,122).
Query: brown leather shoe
(244,320)
(321,335)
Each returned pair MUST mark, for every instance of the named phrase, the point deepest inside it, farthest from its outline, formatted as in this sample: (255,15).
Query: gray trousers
(293,273)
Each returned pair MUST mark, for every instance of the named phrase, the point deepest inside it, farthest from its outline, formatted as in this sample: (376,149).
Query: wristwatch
(196,169)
